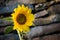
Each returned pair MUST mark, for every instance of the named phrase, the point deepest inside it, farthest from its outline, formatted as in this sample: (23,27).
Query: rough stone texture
(9,37)
(57,0)
(12,2)
(54,16)
(42,13)
(4,23)
(2,3)
(48,37)
(52,37)
(37,38)
(55,8)
(41,30)
(31,1)
(2,30)
(46,20)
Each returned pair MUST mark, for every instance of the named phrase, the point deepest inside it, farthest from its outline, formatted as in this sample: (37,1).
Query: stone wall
(31,1)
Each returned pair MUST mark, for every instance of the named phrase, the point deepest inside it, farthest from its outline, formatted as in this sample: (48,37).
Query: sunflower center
(21,19)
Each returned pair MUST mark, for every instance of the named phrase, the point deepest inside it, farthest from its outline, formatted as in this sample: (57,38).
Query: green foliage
(7,18)
(8,29)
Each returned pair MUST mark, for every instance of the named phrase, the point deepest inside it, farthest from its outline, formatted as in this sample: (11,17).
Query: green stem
(20,37)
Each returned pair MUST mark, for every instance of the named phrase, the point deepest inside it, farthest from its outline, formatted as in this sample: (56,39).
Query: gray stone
(31,1)
(4,23)
(41,30)
(41,13)
(9,37)
(54,15)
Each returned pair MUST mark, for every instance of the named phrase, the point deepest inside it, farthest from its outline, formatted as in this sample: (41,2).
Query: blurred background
(47,17)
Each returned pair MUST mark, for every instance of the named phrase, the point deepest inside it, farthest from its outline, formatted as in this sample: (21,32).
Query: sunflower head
(23,18)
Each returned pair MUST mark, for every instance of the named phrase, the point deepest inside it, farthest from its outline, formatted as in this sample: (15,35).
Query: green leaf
(8,29)
(7,18)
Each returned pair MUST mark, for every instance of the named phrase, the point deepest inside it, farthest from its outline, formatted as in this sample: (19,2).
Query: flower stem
(19,34)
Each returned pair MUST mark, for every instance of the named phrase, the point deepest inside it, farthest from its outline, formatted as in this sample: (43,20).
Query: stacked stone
(10,36)
(50,15)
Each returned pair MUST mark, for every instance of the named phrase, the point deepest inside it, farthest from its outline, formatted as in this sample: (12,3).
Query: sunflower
(23,18)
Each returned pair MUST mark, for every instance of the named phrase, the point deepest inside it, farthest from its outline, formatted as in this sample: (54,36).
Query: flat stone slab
(4,23)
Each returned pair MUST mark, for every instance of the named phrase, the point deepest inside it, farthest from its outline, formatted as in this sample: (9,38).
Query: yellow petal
(29,18)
